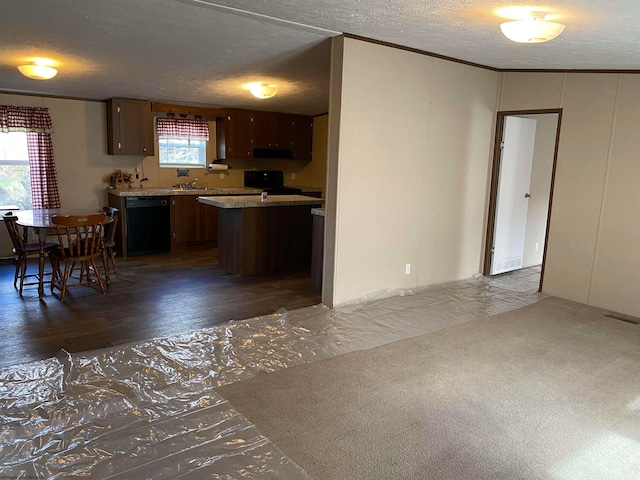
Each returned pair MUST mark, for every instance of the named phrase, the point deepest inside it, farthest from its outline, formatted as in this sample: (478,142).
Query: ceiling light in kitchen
(40,69)
(262,90)
(533,29)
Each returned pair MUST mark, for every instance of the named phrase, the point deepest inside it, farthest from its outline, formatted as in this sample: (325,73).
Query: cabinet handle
(144,149)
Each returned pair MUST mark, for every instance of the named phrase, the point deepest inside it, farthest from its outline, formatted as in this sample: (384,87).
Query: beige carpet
(550,391)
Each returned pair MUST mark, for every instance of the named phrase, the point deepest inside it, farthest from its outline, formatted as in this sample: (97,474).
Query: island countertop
(252,201)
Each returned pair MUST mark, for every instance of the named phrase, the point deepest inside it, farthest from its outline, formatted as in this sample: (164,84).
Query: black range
(270,181)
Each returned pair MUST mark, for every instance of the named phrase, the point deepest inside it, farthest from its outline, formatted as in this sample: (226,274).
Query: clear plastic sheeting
(150,409)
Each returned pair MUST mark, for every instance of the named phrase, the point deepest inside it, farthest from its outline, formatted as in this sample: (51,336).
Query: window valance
(196,128)
(25,119)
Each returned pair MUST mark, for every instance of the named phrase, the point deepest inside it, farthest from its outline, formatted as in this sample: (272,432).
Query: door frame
(495,175)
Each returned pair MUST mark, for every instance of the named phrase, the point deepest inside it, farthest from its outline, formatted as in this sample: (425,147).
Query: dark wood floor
(156,296)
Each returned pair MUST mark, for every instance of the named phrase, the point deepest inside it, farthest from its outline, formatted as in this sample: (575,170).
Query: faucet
(183,186)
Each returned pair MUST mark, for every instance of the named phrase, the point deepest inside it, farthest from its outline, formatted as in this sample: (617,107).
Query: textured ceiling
(200,53)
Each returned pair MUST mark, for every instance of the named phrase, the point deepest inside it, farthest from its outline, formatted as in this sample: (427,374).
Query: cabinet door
(301,145)
(186,214)
(235,135)
(193,222)
(273,130)
(129,127)
(282,132)
(262,129)
(208,223)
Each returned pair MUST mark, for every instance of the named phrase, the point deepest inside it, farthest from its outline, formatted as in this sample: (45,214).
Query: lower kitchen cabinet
(193,222)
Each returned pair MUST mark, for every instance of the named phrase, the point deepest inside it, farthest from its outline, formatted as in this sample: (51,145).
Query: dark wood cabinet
(129,127)
(192,221)
(208,223)
(235,134)
(265,240)
(317,252)
(302,137)
(239,132)
(273,130)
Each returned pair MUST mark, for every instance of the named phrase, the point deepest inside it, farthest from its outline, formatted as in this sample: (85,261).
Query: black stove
(270,181)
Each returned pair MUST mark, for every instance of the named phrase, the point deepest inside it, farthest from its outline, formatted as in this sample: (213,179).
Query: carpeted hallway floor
(549,391)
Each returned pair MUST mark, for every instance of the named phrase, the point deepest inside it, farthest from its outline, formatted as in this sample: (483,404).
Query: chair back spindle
(80,238)
(10,222)
(22,251)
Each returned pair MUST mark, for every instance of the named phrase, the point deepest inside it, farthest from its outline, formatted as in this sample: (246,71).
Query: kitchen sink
(190,189)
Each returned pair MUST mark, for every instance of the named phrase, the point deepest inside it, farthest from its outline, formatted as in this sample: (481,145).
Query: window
(28,180)
(15,181)
(179,152)
(182,142)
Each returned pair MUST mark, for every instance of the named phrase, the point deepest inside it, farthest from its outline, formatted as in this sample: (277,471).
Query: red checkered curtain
(193,128)
(36,122)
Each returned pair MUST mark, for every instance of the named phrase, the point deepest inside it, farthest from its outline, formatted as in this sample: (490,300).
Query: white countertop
(253,201)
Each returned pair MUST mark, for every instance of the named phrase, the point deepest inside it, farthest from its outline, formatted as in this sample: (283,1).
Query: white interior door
(513,194)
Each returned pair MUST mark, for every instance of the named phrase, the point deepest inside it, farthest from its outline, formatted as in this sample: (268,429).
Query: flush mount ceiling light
(534,29)
(263,90)
(38,71)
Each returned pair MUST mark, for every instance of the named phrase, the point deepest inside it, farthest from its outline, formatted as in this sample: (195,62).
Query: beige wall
(409,149)
(314,173)
(593,254)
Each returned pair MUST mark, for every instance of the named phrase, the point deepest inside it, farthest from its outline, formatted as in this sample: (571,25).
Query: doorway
(525,154)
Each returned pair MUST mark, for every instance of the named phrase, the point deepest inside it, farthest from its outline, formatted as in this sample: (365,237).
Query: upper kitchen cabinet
(129,127)
(235,134)
(301,145)
(254,134)
(273,130)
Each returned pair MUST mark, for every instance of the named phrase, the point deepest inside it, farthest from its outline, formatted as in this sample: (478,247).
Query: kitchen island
(258,236)
(190,222)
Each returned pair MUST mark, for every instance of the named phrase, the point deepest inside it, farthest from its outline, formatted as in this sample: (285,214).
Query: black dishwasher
(148,225)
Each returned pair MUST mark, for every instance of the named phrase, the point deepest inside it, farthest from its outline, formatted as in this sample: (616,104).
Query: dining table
(39,221)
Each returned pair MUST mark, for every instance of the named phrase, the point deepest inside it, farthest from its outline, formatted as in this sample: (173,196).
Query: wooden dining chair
(23,251)
(80,240)
(109,242)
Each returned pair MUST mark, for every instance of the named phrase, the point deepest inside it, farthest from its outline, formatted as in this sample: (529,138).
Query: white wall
(593,254)
(409,150)
(543,151)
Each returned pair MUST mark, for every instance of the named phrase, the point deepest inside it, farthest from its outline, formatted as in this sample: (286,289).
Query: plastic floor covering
(150,409)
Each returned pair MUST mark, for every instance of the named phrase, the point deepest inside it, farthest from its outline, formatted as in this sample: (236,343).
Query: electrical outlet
(221,174)
(407,269)
(293,175)
(536,247)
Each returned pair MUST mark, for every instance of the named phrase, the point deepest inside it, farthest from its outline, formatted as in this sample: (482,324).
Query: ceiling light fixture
(534,29)
(263,90)
(38,71)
